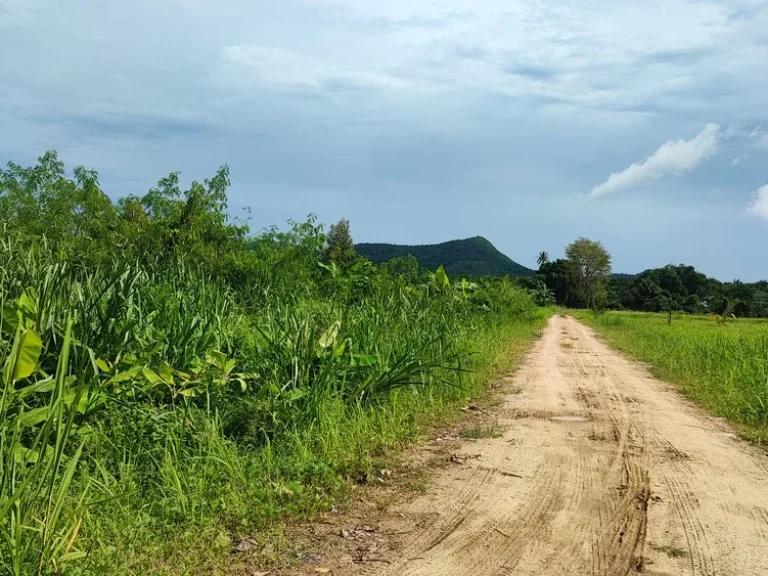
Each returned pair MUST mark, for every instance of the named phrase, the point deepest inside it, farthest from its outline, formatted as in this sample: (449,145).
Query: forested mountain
(470,257)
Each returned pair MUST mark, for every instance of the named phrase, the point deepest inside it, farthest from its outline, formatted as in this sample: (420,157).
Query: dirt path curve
(603,470)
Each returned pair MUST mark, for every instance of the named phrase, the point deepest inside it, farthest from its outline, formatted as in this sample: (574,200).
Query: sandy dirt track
(603,470)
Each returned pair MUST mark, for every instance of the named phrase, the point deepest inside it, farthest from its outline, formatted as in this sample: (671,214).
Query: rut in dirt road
(603,470)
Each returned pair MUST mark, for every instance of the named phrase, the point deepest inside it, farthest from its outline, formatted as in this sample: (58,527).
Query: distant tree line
(672,288)
(682,288)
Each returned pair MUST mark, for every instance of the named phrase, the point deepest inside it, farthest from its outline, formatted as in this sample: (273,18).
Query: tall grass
(724,367)
(146,407)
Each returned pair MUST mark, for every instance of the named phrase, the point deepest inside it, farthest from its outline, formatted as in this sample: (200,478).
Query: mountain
(470,257)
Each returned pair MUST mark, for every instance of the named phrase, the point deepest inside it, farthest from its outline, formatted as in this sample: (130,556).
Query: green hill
(471,257)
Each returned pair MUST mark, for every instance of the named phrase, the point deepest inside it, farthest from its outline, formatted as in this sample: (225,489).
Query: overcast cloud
(419,121)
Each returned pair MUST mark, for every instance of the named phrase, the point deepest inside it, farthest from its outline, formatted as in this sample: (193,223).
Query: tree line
(583,279)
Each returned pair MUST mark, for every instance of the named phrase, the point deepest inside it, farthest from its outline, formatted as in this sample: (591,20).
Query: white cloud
(736,162)
(759,205)
(759,137)
(673,157)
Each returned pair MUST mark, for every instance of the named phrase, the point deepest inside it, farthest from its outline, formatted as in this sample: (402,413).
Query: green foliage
(473,257)
(404,267)
(167,379)
(341,248)
(682,288)
(668,289)
(590,268)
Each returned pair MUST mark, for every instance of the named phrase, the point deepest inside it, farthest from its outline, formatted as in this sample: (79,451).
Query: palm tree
(543,258)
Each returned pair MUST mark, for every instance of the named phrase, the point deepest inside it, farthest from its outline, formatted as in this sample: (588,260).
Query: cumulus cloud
(673,157)
(759,205)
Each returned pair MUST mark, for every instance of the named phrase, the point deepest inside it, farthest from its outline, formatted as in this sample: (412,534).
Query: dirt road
(603,470)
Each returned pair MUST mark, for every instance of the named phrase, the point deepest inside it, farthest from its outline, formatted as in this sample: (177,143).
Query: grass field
(723,367)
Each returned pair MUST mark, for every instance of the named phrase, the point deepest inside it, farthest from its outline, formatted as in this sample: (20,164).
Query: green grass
(723,367)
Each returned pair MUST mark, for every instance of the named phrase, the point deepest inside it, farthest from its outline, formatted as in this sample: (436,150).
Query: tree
(590,265)
(340,248)
(543,258)
(405,267)
(558,279)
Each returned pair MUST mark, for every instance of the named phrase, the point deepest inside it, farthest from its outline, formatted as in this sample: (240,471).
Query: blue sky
(643,124)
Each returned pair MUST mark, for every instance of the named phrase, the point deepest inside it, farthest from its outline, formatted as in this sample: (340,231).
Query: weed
(671,551)
(494,430)
(596,436)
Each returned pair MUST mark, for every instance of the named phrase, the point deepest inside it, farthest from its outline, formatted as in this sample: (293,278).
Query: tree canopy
(590,266)
(341,248)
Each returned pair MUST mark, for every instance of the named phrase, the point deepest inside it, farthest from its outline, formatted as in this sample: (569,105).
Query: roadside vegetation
(171,385)
(721,364)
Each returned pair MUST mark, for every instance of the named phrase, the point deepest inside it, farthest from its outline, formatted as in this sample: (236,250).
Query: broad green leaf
(38,415)
(28,301)
(9,319)
(339,350)
(34,417)
(103,366)
(196,366)
(295,394)
(183,375)
(165,372)
(229,366)
(27,355)
(125,375)
(46,385)
(270,389)
(219,359)
(151,376)
(329,336)
(363,360)
(23,455)
(441,278)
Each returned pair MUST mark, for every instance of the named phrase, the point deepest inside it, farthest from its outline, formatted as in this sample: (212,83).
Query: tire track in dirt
(603,471)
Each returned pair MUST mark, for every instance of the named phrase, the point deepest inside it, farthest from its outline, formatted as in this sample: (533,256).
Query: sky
(639,123)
